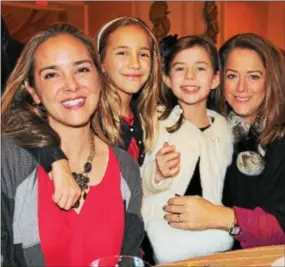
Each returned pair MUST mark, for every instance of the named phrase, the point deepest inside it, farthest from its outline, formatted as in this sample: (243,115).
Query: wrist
(158,176)
(225,218)
(60,166)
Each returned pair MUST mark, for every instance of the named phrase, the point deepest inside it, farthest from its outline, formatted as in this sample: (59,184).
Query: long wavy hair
(107,116)
(168,99)
(22,118)
(272,110)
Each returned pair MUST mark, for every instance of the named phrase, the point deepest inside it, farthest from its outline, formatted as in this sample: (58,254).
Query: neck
(248,121)
(125,104)
(75,143)
(197,114)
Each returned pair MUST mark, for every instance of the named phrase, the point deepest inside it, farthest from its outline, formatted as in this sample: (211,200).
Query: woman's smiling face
(244,85)
(66,81)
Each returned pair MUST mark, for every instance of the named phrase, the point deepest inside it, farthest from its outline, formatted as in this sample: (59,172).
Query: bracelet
(235,229)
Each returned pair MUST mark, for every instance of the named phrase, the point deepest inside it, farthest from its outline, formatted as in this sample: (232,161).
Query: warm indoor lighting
(42,3)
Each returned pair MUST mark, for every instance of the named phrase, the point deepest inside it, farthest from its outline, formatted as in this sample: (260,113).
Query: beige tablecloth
(261,256)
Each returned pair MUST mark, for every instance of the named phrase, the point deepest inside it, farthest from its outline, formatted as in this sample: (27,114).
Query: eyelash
(254,77)
(83,69)
(181,69)
(145,55)
(50,75)
(123,53)
(54,75)
(230,76)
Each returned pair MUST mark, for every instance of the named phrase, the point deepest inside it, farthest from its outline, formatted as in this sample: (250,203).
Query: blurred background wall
(228,18)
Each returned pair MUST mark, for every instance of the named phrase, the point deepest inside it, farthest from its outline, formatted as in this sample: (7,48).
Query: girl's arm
(150,185)
(158,171)
(47,155)
(54,162)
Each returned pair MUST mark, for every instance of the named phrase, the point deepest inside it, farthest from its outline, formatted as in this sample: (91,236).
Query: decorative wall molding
(210,14)
(26,19)
(158,16)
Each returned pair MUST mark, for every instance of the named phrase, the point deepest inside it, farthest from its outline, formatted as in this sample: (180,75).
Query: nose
(134,62)
(70,83)
(189,74)
(241,85)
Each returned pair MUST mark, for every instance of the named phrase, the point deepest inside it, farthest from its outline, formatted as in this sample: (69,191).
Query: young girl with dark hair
(192,151)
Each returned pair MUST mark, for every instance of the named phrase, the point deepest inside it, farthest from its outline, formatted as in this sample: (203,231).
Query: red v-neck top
(71,239)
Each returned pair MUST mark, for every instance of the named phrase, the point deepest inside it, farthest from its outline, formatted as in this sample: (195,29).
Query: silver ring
(178,218)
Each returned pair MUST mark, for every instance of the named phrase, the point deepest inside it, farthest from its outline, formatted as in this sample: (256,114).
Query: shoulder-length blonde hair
(22,119)
(272,109)
(107,116)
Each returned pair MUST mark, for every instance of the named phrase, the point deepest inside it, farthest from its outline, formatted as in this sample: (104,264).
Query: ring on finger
(178,218)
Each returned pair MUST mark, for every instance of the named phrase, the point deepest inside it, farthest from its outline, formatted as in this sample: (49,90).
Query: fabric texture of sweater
(214,148)
(258,198)
(20,242)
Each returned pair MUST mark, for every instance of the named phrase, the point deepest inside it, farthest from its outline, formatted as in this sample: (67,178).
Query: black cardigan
(266,190)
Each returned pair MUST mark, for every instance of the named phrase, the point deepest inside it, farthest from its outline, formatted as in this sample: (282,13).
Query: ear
(103,68)
(32,92)
(216,81)
(167,81)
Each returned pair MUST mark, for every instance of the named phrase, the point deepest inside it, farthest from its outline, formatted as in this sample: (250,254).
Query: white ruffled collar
(174,115)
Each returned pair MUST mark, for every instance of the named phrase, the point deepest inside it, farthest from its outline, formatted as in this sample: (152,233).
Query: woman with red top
(253,98)
(126,114)
(50,100)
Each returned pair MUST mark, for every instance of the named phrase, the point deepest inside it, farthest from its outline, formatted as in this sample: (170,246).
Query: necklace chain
(82,179)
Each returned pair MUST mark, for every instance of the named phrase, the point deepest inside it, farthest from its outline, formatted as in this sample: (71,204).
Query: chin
(242,113)
(77,123)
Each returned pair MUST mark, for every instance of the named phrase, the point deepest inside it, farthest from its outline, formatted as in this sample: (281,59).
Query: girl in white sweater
(192,151)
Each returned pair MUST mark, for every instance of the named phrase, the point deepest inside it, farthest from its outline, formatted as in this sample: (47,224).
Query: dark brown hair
(167,98)
(272,109)
(22,119)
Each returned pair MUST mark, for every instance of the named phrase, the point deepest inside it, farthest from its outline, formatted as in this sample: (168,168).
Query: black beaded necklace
(81,178)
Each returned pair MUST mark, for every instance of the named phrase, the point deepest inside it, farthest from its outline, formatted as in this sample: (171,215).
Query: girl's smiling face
(192,76)
(127,61)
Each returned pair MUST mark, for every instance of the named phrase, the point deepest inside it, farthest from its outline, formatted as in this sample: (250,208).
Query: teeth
(190,88)
(73,102)
(243,99)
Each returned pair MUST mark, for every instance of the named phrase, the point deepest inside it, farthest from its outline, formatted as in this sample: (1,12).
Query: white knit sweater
(214,148)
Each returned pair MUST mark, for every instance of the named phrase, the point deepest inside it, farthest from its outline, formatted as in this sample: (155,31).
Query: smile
(190,89)
(242,99)
(78,102)
(133,76)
